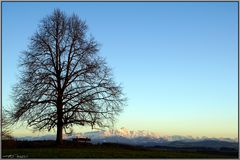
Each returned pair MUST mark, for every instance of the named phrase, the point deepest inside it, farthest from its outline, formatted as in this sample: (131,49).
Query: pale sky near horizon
(177,61)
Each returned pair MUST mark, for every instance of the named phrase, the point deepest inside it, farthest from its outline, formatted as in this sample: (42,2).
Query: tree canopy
(63,81)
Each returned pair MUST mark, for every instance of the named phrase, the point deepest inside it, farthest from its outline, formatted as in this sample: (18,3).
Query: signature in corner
(14,156)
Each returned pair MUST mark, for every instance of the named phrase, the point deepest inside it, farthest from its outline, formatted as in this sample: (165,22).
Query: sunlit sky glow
(177,61)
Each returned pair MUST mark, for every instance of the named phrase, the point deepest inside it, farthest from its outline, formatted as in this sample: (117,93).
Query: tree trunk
(59,139)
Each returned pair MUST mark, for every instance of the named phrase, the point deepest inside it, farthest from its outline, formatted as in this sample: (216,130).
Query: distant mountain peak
(141,137)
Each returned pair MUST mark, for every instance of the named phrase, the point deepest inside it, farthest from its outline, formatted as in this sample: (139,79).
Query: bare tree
(6,125)
(63,80)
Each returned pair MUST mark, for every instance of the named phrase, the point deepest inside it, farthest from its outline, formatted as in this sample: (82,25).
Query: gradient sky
(177,61)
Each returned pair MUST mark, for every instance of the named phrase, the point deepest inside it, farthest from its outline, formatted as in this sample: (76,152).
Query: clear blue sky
(177,61)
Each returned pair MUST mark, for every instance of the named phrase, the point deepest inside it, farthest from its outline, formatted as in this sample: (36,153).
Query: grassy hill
(48,149)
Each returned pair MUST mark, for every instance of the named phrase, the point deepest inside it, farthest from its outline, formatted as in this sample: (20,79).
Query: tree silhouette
(63,81)
(6,125)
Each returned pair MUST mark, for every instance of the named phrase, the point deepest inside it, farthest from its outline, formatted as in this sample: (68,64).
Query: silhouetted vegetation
(64,82)
(6,125)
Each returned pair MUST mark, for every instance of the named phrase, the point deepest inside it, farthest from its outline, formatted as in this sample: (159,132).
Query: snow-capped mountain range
(123,135)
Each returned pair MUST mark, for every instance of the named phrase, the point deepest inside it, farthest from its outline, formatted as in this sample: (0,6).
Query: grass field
(105,151)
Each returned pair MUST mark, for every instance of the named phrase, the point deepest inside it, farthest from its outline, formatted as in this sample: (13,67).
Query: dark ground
(48,149)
